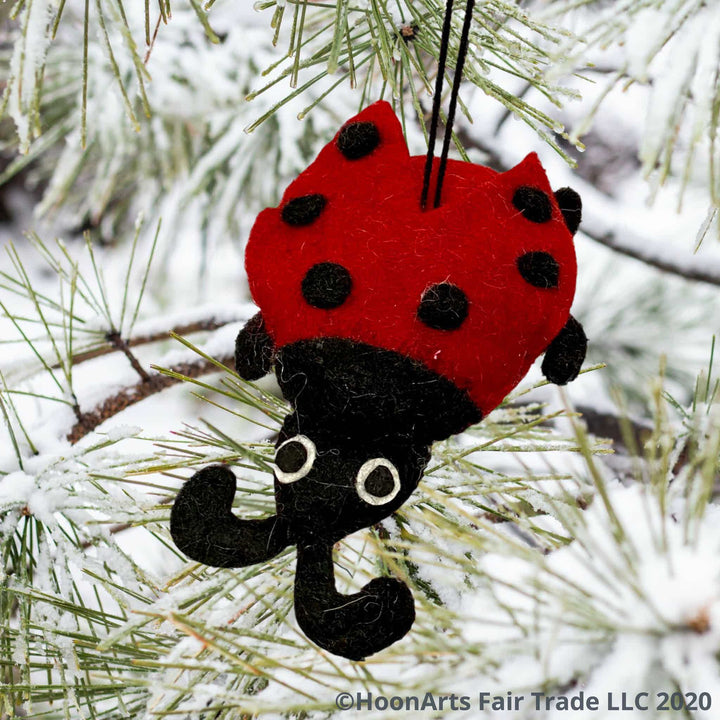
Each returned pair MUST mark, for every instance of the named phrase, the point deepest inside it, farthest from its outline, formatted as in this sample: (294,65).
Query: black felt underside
(355,402)
(363,392)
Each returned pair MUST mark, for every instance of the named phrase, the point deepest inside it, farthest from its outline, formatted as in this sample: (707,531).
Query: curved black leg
(353,626)
(204,528)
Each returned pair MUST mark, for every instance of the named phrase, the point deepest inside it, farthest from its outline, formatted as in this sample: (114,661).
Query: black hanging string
(434,121)
(462,54)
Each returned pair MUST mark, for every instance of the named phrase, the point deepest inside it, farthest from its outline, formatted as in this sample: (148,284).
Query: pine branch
(196,326)
(340,38)
(119,344)
(148,386)
(648,251)
(671,47)
(365,47)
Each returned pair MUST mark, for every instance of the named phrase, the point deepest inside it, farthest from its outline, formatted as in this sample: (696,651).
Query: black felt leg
(204,528)
(254,350)
(353,626)
(565,354)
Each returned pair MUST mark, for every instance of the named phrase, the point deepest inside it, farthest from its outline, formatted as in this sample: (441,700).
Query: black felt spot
(539,269)
(291,457)
(565,354)
(443,307)
(533,203)
(570,204)
(326,285)
(254,350)
(379,482)
(303,210)
(356,391)
(358,139)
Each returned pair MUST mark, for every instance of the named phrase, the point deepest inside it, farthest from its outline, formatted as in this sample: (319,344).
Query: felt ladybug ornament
(389,327)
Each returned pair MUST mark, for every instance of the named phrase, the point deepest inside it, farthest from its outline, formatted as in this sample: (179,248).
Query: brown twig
(114,530)
(188,329)
(140,391)
(152,42)
(114,338)
(610,426)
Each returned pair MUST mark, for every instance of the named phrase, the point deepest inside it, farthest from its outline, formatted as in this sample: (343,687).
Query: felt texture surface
(372,225)
(326,285)
(361,393)
(291,457)
(388,328)
(353,626)
(565,354)
(324,506)
(254,350)
(357,139)
(443,307)
(533,203)
(204,528)
(313,512)
(379,482)
(303,210)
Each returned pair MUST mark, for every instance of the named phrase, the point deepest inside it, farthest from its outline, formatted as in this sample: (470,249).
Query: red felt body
(373,225)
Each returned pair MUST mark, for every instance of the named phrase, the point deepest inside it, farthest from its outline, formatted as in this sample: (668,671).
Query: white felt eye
(294,459)
(377,481)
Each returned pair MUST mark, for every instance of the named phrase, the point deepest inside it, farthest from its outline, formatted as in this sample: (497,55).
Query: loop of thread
(435,119)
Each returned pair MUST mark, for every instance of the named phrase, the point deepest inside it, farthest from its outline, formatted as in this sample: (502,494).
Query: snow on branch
(672,258)
(151,385)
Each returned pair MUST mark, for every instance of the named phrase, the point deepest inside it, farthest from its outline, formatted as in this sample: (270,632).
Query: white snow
(26,66)
(508,620)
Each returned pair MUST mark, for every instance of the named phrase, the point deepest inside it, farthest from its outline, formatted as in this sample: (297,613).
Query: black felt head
(326,489)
